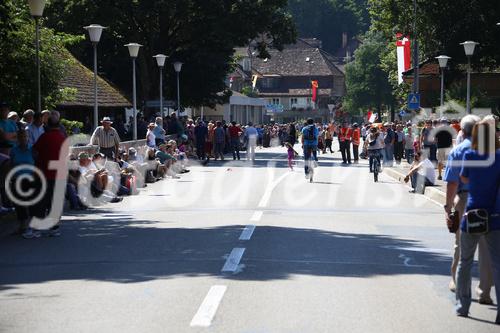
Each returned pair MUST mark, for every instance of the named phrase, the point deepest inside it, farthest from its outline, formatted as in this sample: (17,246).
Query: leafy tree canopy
(200,33)
(366,81)
(442,25)
(17,59)
(328,19)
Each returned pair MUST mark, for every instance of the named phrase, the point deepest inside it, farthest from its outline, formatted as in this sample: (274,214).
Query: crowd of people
(111,170)
(94,176)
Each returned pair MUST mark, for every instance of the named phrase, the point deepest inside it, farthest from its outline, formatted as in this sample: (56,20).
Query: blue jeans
(374,154)
(389,155)
(308,151)
(235,147)
(409,154)
(419,182)
(468,245)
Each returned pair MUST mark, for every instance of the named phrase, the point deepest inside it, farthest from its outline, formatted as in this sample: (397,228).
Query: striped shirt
(105,139)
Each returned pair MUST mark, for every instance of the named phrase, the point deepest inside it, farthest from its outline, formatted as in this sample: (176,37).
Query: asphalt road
(239,248)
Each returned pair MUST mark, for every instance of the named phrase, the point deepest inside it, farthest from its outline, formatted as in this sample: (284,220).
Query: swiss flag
(315,87)
(403,47)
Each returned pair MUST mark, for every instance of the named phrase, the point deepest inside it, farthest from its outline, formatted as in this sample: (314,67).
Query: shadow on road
(123,250)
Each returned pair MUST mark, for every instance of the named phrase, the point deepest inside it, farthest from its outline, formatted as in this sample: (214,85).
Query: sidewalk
(436,192)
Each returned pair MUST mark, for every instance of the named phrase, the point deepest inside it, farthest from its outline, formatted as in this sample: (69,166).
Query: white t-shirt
(427,169)
(151,138)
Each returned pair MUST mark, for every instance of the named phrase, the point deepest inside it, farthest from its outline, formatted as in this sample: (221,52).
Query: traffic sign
(414,101)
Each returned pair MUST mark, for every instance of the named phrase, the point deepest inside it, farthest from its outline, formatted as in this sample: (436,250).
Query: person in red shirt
(356,140)
(345,137)
(48,149)
(234,137)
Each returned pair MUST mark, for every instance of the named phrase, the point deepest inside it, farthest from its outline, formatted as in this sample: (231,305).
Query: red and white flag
(404,55)
(315,87)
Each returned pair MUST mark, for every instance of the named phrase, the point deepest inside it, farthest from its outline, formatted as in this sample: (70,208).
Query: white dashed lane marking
(207,309)
(233,260)
(257,216)
(247,233)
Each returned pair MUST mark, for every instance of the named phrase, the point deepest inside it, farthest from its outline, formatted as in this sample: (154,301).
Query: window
(246,64)
(274,101)
(294,101)
(270,82)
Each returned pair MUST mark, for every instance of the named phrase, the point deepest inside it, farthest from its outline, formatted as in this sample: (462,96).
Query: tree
(367,83)
(200,33)
(17,59)
(442,25)
(328,19)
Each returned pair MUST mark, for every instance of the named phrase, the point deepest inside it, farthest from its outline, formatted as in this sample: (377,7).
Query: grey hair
(55,115)
(467,123)
(158,120)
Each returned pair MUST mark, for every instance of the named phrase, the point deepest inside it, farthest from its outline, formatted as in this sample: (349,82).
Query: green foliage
(366,81)
(458,92)
(328,19)
(248,91)
(60,95)
(442,25)
(17,58)
(200,33)
(71,126)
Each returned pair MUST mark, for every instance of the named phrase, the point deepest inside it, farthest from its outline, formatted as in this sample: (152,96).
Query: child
(291,154)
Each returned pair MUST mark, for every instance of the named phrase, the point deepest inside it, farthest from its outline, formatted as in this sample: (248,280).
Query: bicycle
(310,163)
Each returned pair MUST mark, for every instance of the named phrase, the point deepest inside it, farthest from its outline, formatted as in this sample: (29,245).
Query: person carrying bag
(481,221)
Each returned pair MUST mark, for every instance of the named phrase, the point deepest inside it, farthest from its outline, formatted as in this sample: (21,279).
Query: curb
(433,193)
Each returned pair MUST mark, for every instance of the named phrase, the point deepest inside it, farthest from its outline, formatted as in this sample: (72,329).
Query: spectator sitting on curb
(421,174)
(96,178)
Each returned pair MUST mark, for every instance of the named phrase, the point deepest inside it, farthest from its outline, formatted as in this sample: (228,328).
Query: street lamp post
(178,68)
(308,60)
(36,10)
(160,60)
(443,61)
(133,49)
(95,32)
(469,47)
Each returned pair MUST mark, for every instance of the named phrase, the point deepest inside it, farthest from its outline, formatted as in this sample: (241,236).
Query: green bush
(71,125)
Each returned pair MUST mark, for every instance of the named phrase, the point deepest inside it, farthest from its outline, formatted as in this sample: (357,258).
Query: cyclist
(374,144)
(310,136)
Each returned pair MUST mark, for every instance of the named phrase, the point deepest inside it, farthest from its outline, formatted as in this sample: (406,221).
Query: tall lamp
(133,49)
(160,61)
(178,68)
(36,10)
(443,62)
(95,32)
(469,47)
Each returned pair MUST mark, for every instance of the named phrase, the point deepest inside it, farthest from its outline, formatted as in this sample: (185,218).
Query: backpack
(309,135)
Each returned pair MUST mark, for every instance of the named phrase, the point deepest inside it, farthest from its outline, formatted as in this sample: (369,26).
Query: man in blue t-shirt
(310,136)
(456,198)
(481,171)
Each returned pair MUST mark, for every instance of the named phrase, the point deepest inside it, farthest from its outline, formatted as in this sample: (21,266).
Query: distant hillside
(327,20)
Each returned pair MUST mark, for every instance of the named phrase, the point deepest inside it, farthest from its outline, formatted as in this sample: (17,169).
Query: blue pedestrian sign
(414,101)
